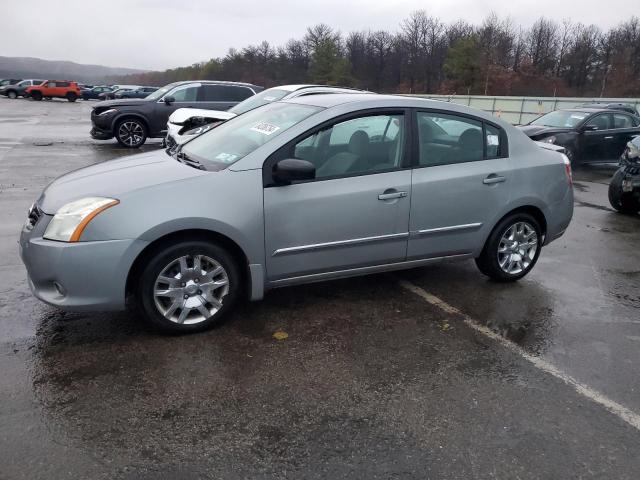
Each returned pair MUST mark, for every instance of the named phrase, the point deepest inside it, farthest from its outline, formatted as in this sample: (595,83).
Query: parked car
(18,89)
(141,92)
(186,123)
(54,89)
(132,121)
(94,93)
(303,190)
(624,107)
(589,135)
(111,94)
(8,81)
(624,187)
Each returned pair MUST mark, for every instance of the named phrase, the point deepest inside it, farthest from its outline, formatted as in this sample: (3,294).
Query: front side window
(62,84)
(236,138)
(185,94)
(354,147)
(26,83)
(447,139)
(600,122)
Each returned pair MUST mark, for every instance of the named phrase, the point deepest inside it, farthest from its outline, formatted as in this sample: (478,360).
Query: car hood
(114,178)
(540,130)
(125,102)
(182,114)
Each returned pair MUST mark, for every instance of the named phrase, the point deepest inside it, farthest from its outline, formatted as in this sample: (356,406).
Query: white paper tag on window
(493,140)
(226,157)
(265,128)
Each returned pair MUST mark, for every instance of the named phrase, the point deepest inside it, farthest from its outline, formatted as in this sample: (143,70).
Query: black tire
(621,201)
(72,97)
(158,263)
(12,94)
(488,262)
(131,132)
(37,96)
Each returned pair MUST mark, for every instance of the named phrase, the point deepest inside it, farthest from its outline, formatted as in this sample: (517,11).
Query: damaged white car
(187,123)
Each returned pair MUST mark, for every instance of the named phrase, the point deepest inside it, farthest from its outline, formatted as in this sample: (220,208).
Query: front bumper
(98,134)
(77,276)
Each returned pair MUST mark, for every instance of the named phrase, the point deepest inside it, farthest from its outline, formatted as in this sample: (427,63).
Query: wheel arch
(224,241)
(533,210)
(125,115)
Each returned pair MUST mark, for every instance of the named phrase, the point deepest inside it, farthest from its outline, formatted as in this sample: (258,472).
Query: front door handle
(493,178)
(391,195)
(608,138)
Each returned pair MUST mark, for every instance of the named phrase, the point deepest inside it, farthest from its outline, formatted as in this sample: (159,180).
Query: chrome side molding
(452,228)
(339,243)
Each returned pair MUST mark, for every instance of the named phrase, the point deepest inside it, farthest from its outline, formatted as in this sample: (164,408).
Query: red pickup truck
(54,89)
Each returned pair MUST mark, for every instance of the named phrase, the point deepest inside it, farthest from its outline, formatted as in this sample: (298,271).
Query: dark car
(132,121)
(588,135)
(93,93)
(141,92)
(8,81)
(624,107)
(18,89)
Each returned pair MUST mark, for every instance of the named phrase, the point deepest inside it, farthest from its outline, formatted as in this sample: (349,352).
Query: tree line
(426,55)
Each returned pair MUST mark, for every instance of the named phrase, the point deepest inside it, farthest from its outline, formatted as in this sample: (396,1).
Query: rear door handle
(391,195)
(608,138)
(493,178)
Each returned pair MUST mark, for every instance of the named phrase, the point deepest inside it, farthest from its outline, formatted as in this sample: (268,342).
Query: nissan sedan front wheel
(188,287)
(512,249)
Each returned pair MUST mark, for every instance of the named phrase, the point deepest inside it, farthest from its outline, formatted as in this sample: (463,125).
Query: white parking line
(620,411)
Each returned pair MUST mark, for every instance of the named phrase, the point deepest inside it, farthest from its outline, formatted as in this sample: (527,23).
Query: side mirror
(292,169)
(589,128)
(169,99)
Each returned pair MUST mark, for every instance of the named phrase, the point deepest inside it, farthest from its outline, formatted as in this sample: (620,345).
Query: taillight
(567,169)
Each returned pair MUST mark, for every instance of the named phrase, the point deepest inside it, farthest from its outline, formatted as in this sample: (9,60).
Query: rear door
(461,179)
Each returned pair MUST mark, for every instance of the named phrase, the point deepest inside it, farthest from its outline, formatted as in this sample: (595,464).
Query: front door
(185,96)
(462,179)
(355,213)
(597,139)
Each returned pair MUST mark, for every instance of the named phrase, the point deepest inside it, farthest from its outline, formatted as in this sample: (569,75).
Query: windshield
(238,137)
(268,96)
(160,92)
(561,119)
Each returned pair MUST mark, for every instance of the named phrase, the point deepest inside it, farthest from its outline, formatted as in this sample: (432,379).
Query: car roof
(303,86)
(328,101)
(214,82)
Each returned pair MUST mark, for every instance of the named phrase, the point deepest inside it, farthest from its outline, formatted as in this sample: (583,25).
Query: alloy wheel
(517,248)
(191,289)
(131,133)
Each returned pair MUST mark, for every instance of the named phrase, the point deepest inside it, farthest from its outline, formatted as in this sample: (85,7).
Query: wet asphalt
(372,381)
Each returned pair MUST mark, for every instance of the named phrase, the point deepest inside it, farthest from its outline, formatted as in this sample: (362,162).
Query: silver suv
(303,190)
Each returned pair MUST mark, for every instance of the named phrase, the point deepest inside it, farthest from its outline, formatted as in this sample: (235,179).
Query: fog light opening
(60,289)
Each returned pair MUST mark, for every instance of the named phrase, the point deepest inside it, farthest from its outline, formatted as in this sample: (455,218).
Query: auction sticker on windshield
(265,128)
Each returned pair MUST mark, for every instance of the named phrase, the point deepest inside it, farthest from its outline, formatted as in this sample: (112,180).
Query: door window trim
(504,140)
(405,160)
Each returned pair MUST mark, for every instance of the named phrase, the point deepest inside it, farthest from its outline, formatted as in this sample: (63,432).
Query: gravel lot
(430,373)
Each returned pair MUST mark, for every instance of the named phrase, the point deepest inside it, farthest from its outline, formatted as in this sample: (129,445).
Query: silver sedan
(296,191)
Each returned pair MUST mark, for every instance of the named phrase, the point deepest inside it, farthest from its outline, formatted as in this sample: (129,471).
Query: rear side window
(622,121)
(62,84)
(445,139)
(224,93)
(493,141)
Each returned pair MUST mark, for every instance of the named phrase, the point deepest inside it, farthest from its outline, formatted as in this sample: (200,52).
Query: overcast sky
(159,34)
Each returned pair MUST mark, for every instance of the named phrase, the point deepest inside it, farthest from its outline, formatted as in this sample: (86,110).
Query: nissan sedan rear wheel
(131,133)
(188,287)
(512,249)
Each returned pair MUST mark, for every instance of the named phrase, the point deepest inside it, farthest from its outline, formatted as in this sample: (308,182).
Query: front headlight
(551,139)
(108,112)
(200,129)
(71,219)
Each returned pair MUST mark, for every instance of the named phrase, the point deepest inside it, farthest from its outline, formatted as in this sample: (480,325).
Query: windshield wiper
(182,157)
